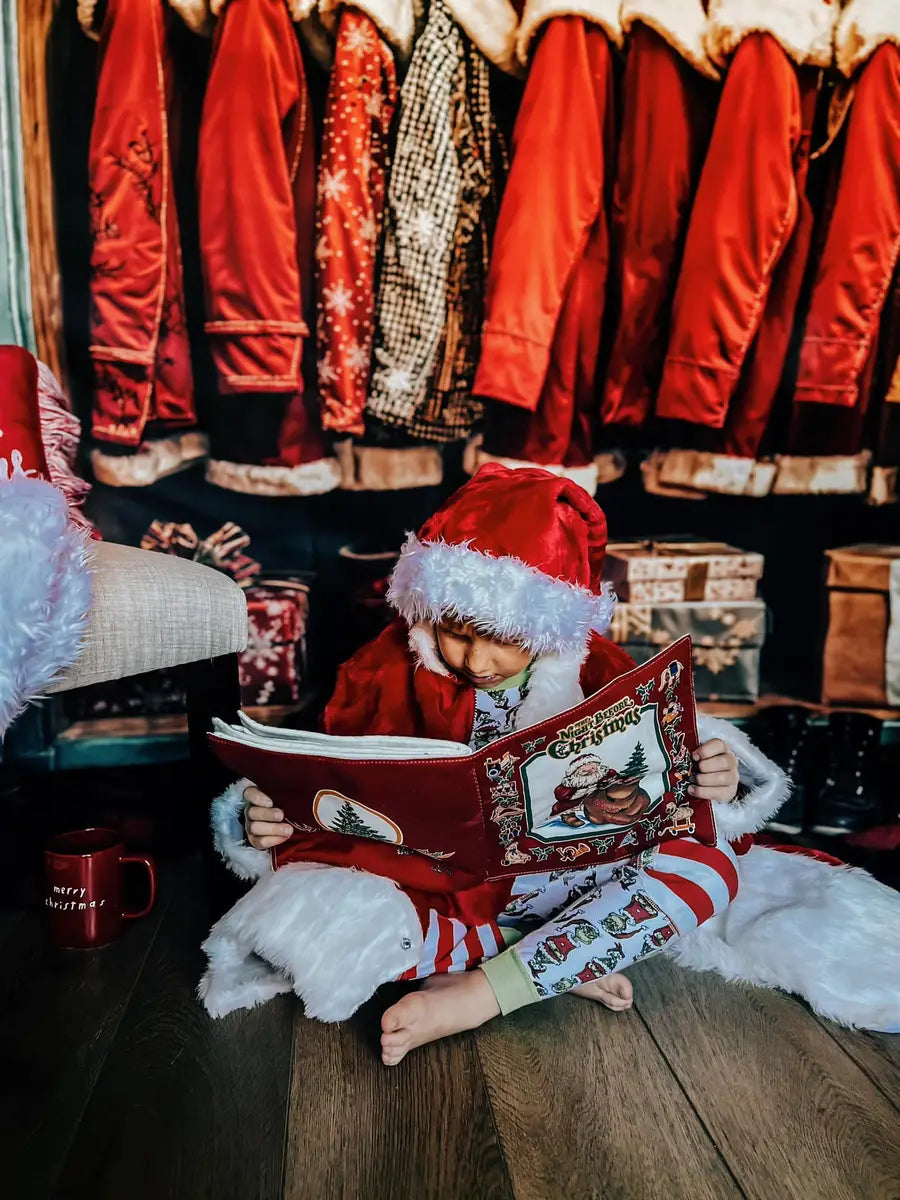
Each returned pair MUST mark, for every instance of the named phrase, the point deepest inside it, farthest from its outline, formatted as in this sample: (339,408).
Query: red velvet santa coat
(384,690)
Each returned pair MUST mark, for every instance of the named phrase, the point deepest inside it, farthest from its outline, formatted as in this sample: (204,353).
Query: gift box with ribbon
(672,572)
(727,641)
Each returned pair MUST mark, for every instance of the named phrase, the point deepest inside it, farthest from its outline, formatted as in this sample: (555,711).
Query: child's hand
(716,775)
(263,823)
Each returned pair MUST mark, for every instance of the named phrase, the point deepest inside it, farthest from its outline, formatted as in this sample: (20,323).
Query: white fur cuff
(864,26)
(681,23)
(768,784)
(604,13)
(491,24)
(803,28)
(228,835)
(394,20)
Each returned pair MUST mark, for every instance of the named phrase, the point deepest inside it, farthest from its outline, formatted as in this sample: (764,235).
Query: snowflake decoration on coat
(397,380)
(327,373)
(359,357)
(338,298)
(423,227)
(333,184)
(356,40)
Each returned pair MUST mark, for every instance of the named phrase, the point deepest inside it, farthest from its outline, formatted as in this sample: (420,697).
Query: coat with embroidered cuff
(395,687)
(543,308)
(256,190)
(139,343)
(747,243)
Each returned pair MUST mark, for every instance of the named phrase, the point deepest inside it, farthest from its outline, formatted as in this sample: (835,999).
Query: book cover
(600,782)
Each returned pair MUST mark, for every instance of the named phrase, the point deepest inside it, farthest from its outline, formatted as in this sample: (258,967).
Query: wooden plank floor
(116,1085)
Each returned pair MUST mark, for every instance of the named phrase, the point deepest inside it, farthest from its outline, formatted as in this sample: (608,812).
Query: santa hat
(519,554)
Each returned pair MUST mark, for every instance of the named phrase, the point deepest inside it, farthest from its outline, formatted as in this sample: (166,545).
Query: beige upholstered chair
(151,612)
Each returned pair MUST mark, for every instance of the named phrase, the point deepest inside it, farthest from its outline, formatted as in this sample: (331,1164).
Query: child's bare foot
(615,991)
(447,1004)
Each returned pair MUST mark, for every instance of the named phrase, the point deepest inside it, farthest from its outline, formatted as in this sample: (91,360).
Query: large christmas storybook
(599,782)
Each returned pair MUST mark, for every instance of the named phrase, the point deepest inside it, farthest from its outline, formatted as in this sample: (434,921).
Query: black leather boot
(850,799)
(784,734)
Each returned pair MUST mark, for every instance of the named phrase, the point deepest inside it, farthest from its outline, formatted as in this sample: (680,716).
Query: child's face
(480,660)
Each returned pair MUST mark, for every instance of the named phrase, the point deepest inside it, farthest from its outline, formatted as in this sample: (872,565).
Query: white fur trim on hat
(538,12)
(803,28)
(864,26)
(681,23)
(491,24)
(502,596)
(307,479)
(768,785)
(333,934)
(45,588)
(394,19)
(829,934)
(228,835)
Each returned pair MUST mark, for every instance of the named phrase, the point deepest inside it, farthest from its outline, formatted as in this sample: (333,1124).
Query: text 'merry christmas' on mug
(83,888)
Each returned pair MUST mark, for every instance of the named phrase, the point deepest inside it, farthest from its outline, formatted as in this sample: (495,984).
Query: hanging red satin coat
(668,110)
(139,343)
(744,215)
(863,242)
(547,281)
(256,185)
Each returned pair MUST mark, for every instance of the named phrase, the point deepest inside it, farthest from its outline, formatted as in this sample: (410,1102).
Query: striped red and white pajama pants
(569,927)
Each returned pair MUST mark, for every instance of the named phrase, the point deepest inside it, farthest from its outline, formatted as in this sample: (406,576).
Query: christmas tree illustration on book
(347,820)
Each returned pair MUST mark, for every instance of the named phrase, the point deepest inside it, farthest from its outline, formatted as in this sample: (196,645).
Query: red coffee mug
(83,872)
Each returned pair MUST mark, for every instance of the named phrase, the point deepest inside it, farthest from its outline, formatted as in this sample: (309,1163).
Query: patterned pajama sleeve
(612,925)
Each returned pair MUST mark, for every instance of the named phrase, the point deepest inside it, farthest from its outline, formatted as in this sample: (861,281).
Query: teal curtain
(16,324)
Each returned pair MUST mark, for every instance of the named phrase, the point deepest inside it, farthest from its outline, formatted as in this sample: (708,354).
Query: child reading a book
(501,610)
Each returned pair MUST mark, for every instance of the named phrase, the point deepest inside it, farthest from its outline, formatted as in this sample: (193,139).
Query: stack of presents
(832,752)
(706,589)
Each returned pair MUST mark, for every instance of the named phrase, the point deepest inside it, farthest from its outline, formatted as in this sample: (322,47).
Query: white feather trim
(491,24)
(768,784)
(864,26)
(803,28)
(553,687)
(45,588)
(502,596)
(228,835)
(828,934)
(336,934)
(681,23)
(604,13)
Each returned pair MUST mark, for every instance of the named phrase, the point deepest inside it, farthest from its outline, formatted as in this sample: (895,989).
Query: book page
(323,745)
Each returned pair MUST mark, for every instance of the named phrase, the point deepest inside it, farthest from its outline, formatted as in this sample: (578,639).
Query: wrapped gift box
(727,641)
(273,666)
(672,572)
(861,661)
